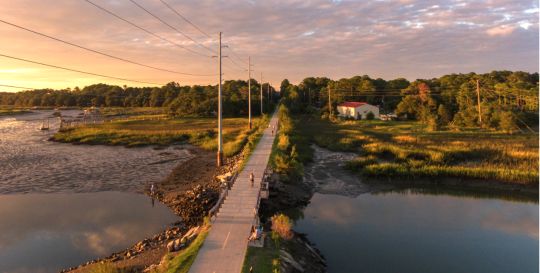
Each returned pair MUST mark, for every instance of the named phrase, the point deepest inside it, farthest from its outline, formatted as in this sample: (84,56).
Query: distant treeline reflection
(519,197)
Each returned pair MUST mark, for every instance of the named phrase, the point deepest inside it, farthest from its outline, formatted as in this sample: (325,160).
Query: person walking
(251,179)
(153,189)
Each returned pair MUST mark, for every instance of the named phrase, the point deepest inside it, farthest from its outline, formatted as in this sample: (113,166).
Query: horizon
(296,40)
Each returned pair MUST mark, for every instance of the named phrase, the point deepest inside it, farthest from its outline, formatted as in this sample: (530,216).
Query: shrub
(283,142)
(433,123)
(508,121)
(281,225)
(370,116)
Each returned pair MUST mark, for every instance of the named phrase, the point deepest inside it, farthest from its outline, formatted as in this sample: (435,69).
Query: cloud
(286,39)
(501,31)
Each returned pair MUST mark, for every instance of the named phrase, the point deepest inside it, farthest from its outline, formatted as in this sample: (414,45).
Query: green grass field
(198,131)
(407,150)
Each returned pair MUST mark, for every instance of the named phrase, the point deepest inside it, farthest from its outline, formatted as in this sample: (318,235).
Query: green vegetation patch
(265,259)
(9,112)
(413,151)
(182,263)
(131,133)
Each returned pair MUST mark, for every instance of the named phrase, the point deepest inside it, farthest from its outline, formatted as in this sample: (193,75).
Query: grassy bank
(408,150)
(182,263)
(9,112)
(265,259)
(198,131)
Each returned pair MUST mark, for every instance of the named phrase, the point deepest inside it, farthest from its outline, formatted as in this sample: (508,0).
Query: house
(357,110)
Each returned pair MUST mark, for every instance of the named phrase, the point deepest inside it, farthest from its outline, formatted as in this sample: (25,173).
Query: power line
(69,69)
(236,64)
(147,30)
(171,26)
(236,55)
(16,86)
(187,21)
(104,54)
(204,14)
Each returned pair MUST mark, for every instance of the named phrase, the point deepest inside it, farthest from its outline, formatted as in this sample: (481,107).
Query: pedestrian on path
(251,179)
(153,189)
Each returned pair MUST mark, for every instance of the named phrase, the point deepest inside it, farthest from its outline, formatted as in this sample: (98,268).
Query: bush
(370,116)
(508,121)
(433,123)
(281,225)
(283,142)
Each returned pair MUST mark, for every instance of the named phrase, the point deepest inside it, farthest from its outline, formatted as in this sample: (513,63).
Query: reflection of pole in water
(152,201)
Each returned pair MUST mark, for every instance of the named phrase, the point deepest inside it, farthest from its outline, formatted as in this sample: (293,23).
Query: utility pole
(261,96)
(479,108)
(220,142)
(268,91)
(309,94)
(249,89)
(330,103)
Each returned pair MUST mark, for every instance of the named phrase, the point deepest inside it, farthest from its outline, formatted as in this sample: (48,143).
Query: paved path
(225,246)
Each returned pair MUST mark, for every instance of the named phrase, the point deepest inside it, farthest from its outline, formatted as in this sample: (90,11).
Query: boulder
(171,246)
(177,245)
(294,264)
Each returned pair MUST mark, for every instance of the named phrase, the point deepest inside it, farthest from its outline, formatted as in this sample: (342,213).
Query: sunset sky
(285,39)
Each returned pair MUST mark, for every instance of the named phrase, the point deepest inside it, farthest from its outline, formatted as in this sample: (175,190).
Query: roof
(352,104)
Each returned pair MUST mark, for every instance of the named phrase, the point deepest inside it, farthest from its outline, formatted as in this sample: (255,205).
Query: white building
(357,109)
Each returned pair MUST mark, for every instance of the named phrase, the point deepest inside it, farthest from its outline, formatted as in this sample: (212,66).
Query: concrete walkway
(225,246)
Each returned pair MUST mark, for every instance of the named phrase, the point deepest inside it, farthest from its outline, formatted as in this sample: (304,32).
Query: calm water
(51,232)
(31,164)
(424,230)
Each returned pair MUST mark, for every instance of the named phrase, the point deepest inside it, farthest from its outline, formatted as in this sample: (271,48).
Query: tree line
(178,100)
(507,98)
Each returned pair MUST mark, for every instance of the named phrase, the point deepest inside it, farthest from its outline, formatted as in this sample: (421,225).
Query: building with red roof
(357,110)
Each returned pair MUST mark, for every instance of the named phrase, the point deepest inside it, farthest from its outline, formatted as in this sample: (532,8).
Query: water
(79,219)
(31,164)
(365,228)
(51,232)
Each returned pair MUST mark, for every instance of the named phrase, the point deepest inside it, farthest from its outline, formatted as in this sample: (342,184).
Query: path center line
(226,240)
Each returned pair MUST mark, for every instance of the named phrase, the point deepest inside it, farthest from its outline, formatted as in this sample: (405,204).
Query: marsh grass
(9,112)
(415,152)
(197,131)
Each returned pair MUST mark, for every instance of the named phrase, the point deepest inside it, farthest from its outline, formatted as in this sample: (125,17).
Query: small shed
(357,110)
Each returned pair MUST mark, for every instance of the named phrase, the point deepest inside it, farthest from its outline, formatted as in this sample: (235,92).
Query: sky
(284,38)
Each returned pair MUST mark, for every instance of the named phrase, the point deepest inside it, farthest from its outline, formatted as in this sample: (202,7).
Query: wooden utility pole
(261,96)
(479,108)
(220,108)
(330,103)
(249,90)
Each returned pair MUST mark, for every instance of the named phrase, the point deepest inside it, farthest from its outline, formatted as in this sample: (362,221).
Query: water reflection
(52,232)
(424,230)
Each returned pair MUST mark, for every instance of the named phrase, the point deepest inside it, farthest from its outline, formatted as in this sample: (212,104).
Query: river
(367,228)
(63,205)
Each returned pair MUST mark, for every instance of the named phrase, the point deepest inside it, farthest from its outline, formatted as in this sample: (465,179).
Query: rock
(294,264)
(171,246)
(302,262)
(286,254)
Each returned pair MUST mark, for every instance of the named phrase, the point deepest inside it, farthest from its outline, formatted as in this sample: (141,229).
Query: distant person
(153,189)
(272,132)
(251,179)
(256,234)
